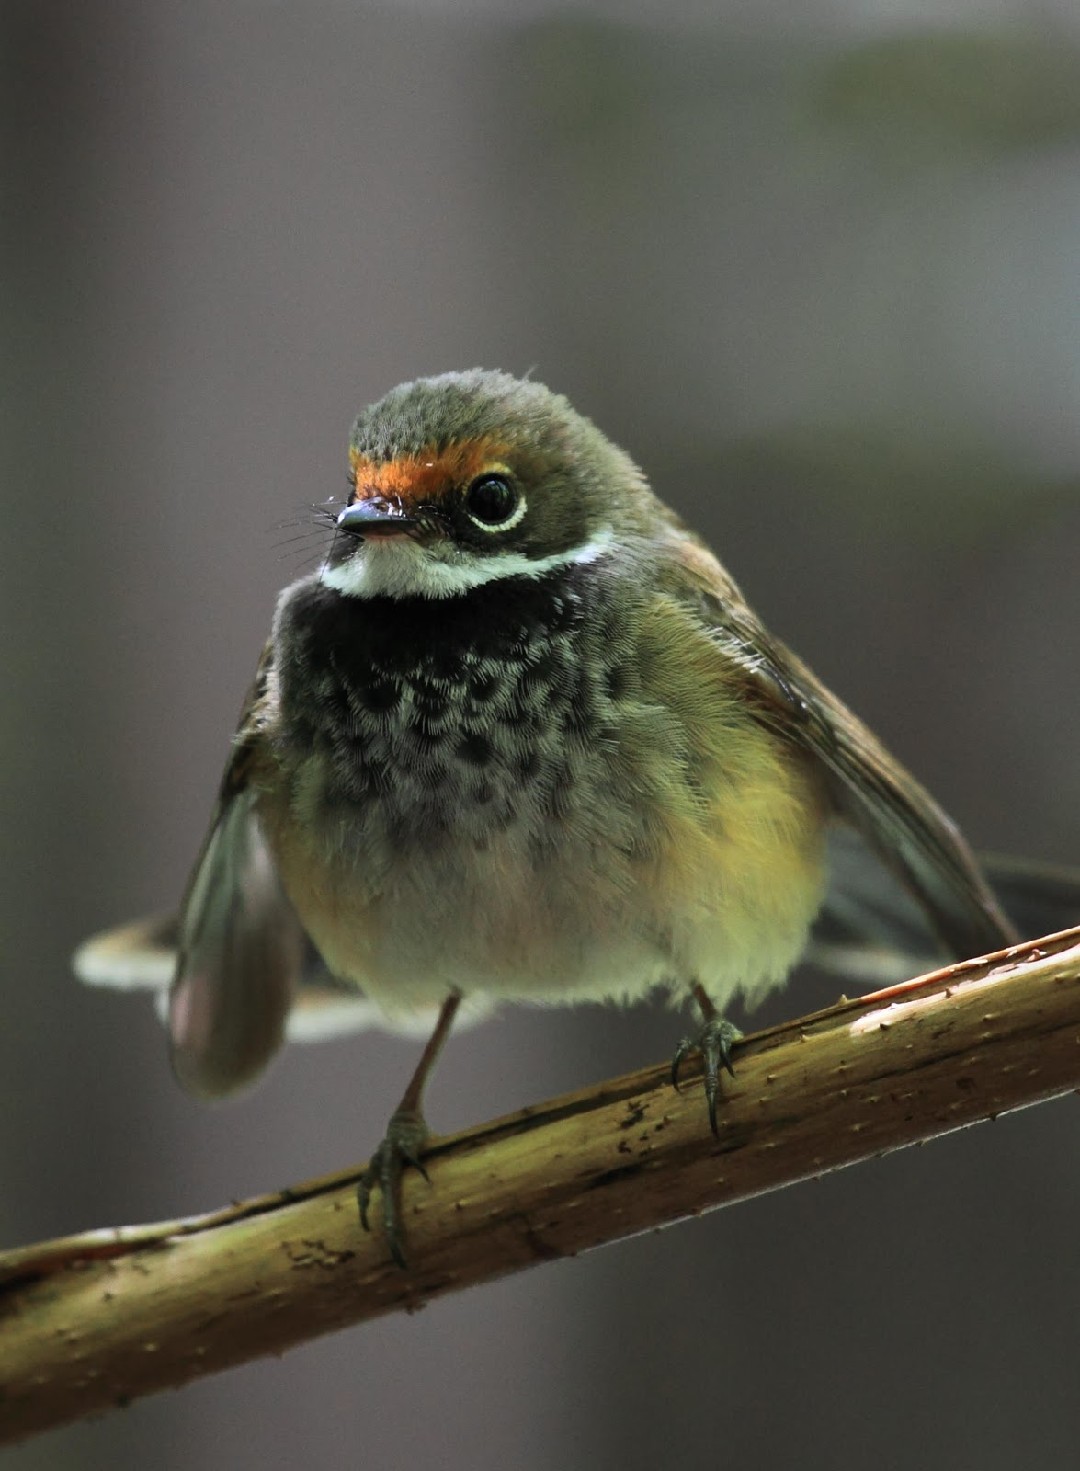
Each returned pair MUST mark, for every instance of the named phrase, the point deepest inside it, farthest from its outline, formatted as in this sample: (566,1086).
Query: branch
(94,1321)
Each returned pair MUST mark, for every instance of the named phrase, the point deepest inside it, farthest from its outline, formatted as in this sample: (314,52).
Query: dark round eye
(493,503)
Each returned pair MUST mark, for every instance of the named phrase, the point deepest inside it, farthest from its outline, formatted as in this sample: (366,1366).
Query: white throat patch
(397,567)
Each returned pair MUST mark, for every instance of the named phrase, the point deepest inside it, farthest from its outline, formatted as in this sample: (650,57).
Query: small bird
(521,737)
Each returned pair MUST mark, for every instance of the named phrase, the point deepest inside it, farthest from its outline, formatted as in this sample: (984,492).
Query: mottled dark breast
(452,717)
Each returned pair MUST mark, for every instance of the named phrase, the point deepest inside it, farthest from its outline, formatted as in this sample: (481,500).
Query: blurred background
(816,267)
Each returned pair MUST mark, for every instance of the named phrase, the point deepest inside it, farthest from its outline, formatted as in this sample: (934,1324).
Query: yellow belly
(716,880)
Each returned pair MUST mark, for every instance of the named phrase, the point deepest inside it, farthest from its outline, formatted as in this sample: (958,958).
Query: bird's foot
(714,1042)
(406,1135)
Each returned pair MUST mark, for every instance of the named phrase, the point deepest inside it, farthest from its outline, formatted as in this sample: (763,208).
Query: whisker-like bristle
(310,525)
(314,559)
(308,535)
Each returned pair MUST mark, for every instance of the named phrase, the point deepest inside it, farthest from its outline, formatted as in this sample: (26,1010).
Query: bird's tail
(871,931)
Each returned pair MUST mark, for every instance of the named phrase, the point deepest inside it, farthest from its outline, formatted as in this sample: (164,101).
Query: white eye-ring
(493,502)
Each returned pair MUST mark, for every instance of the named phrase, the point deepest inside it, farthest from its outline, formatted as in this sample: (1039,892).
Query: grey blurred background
(816,267)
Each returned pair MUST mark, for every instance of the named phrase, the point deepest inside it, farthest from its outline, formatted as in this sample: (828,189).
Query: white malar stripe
(399,568)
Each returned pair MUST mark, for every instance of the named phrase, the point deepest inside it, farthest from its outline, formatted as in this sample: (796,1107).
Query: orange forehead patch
(427,475)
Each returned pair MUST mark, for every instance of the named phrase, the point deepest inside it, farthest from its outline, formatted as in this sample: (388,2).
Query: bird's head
(462,479)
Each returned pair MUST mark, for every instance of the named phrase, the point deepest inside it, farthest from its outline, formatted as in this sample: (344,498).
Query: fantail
(521,737)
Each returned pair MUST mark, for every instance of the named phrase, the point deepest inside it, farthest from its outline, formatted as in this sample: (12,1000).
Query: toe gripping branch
(403,1145)
(714,1042)
(407,1133)
(404,1141)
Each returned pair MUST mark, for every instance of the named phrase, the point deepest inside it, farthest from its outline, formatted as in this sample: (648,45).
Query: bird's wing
(896,816)
(240,946)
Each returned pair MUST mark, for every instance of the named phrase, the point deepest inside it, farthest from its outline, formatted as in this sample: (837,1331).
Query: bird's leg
(714,1042)
(406,1135)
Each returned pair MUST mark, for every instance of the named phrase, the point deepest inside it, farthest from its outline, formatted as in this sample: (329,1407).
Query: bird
(520,737)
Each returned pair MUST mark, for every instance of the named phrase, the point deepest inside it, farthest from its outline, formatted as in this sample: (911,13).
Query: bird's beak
(376,516)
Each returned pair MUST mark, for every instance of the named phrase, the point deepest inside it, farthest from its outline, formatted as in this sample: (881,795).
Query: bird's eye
(493,504)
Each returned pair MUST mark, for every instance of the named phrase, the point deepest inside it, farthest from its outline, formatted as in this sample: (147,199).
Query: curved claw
(406,1135)
(682,1052)
(714,1042)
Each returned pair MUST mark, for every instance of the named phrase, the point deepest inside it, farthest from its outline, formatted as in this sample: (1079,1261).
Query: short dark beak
(375,517)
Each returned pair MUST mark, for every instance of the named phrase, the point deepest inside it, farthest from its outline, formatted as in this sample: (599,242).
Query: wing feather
(239,958)
(240,946)
(895,815)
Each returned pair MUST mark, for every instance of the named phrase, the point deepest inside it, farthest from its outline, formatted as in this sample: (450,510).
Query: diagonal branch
(97,1320)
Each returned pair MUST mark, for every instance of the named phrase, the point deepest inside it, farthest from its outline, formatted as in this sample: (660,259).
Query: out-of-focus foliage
(912,95)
